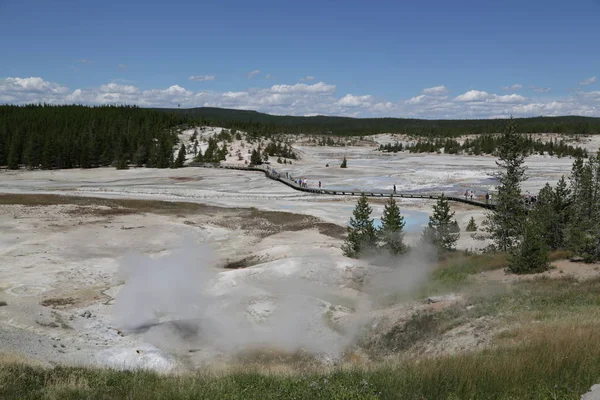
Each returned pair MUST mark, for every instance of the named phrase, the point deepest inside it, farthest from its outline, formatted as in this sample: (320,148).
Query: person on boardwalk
(472,195)
(466,194)
(487,198)
(394,188)
(319,184)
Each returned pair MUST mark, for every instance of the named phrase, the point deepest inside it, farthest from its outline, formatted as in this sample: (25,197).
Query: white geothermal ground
(94,281)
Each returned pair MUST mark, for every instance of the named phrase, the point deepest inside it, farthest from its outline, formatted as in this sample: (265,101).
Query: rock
(593,394)
(86,314)
(439,299)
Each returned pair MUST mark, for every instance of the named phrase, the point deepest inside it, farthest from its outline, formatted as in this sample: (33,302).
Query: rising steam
(182,301)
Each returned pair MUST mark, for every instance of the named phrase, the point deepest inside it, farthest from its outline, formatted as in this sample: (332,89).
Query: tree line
(42,136)
(565,217)
(486,144)
(255,122)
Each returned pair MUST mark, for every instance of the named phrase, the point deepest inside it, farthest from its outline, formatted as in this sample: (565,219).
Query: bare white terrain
(119,282)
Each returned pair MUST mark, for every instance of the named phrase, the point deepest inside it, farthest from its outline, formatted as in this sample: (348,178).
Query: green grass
(542,299)
(456,269)
(556,301)
(559,363)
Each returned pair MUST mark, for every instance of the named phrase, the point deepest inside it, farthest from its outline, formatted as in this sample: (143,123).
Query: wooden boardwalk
(293,183)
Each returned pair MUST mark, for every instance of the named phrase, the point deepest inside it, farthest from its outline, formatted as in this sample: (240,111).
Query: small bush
(471,226)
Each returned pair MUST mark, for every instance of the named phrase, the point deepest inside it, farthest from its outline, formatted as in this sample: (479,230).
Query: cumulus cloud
(303,99)
(481,96)
(253,73)
(417,99)
(202,78)
(355,101)
(516,86)
(116,88)
(303,88)
(436,90)
(588,81)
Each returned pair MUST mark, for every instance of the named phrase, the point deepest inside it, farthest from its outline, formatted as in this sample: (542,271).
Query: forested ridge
(252,121)
(75,136)
(85,137)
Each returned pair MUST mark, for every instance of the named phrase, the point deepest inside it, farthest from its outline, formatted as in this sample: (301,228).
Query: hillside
(253,121)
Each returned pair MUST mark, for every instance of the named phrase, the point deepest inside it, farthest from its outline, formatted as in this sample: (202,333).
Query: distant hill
(254,121)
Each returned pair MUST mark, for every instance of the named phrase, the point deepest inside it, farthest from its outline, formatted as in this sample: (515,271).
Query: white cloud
(303,88)
(303,99)
(436,90)
(473,95)
(355,101)
(588,81)
(121,89)
(516,86)
(253,73)
(481,96)
(417,99)
(202,78)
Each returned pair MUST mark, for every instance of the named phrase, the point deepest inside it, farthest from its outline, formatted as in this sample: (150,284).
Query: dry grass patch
(550,364)
(265,223)
(58,302)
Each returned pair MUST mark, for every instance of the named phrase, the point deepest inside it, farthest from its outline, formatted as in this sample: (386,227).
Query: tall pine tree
(583,232)
(362,236)
(180,157)
(439,229)
(530,255)
(505,222)
(391,232)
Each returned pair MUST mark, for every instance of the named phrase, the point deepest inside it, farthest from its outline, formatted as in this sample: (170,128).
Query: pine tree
(550,215)
(562,209)
(362,235)
(199,157)
(505,222)
(439,228)
(391,232)
(583,232)
(471,226)
(14,152)
(531,254)
(122,163)
(255,158)
(180,157)
(344,163)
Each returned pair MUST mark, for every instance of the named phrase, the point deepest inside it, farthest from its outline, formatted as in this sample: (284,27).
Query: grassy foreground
(558,363)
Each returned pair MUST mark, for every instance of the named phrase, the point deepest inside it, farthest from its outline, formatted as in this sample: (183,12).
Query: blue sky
(375,58)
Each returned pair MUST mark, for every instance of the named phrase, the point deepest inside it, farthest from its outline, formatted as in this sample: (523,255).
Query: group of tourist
(470,194)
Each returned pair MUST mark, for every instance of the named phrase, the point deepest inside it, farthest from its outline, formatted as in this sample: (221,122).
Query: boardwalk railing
(292,182)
